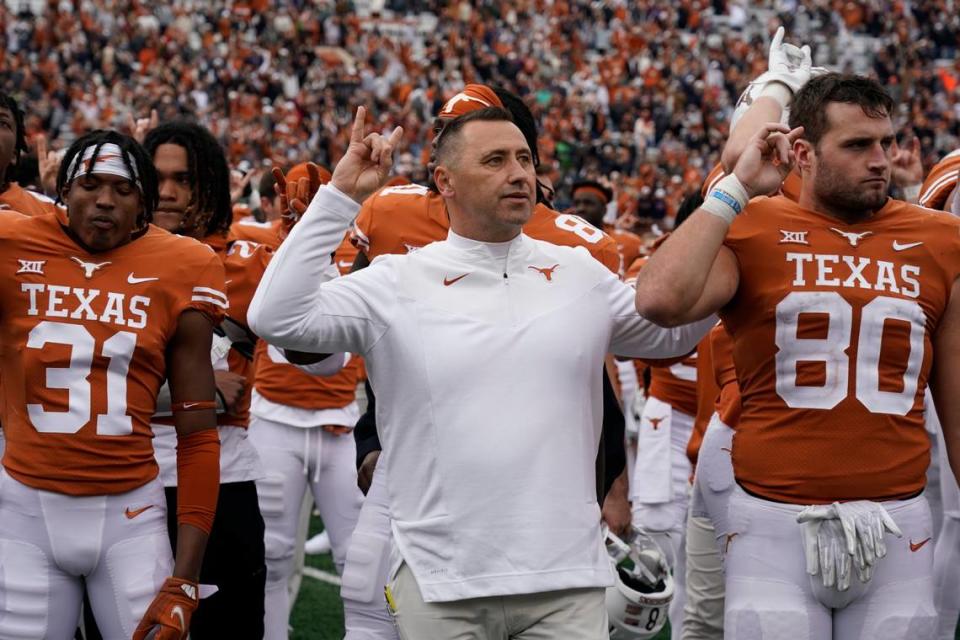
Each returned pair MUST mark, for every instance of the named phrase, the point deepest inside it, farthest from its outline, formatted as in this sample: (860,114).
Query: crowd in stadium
(639,93)
(571,317)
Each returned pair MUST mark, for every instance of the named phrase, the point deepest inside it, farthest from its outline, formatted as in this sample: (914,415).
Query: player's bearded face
(176,210)
(853,162)
(102,210)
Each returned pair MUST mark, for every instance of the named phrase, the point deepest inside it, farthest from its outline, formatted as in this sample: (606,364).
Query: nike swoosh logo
(178,611)
(449,281)
(133,513)
(903,247)
(132,279)
(916,547)
(189,405)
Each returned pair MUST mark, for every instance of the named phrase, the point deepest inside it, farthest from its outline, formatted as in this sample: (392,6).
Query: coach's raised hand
(366,165)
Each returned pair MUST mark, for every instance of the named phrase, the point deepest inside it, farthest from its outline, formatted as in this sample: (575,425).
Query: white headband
(109,161)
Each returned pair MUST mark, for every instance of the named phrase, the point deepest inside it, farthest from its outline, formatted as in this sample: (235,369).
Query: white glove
(868,521)
(825,547)
(787,63)
(864,524)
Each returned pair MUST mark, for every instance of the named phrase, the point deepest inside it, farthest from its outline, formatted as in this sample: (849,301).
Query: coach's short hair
(809,107)
(448,138)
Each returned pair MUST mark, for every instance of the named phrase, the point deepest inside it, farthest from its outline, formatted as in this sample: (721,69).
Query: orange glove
(170,611)
(296,190)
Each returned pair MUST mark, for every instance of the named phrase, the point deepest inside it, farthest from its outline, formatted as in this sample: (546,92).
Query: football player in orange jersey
(194,191)
(590,200)
(12,145)
(93,317)
(302,428)
(841,307)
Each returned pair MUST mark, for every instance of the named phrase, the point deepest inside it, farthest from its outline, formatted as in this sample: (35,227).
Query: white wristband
(727,198)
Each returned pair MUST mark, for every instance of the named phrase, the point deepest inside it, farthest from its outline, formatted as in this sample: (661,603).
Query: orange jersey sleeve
(831,328)
(400,219)
(84,339)
(27,202)
(568,230)
(940,182)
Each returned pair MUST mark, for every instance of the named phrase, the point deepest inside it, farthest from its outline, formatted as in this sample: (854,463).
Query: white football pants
(706,534)
(365,611)
(771,597)
(663,513)
(293,459)
(52,544)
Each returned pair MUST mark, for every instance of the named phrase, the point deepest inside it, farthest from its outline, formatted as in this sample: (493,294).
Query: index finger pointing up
(356,135)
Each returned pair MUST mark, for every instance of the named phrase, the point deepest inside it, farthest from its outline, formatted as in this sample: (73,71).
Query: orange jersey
(27,202)
(630,245)
(265,233)
(286,384)
(405,218)
(940,182)
(790,187)
(725,374)
(707,393)
(84,339)
(832,327)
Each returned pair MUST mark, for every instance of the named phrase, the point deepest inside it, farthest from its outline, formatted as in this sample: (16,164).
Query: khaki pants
(572,614)
(703,610)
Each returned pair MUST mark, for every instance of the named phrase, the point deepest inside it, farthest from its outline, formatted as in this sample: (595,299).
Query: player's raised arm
(768,97)
(692,275)
(287,309)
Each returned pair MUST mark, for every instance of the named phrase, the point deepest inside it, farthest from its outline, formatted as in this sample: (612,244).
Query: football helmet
(638,601)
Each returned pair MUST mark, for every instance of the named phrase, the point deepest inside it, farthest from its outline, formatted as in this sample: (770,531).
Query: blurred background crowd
(634,92)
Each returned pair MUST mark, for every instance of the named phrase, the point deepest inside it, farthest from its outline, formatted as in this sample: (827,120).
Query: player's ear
(444,181)
(803,153)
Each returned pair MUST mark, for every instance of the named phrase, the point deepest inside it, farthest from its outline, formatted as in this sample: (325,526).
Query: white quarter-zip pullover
(487,363)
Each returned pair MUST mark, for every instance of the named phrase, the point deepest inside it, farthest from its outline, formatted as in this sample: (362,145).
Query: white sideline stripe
(322,576)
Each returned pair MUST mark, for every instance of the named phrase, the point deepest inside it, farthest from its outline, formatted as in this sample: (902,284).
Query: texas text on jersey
(83,342)
(832,343)
(401,219)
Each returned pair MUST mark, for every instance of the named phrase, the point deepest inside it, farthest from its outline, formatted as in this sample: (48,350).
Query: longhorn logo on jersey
(853,238)
(546,272)
(89,267)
